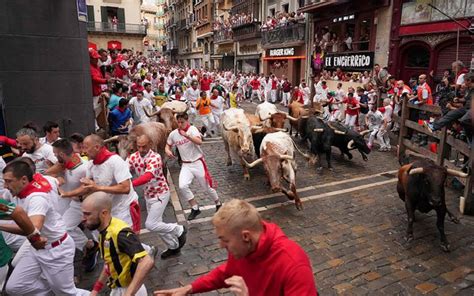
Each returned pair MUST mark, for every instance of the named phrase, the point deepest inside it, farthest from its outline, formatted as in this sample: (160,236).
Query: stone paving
(352,228)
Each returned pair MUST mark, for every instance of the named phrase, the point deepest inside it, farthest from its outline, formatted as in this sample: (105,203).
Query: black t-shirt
(128,243)
(364,99)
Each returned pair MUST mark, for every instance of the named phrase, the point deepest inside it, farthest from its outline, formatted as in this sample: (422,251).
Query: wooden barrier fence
(447,143)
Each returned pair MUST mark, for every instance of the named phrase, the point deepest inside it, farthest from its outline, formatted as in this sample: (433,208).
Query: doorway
(415,61)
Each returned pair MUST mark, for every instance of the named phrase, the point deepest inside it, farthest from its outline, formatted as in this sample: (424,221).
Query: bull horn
(233,129)
(318,130)
(291,118)
(251,165)
(285,157)
(111,139)
(280,129)
(416,171)
(152,114)
(457,173)
(363,133)
(350,145)
(304,116)
(339,132)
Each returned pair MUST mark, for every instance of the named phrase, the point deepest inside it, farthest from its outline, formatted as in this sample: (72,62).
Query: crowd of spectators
(282,19)
(332,42)
(241,19)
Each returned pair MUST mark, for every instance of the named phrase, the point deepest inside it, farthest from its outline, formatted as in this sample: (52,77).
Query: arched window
(417,57)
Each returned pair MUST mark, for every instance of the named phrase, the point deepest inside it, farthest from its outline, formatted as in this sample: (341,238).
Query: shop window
(364,35)
(285,7)
(417,57)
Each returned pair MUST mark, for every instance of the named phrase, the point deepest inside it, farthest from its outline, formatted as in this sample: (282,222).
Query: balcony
(204,30)
(159,26)
(100,27)
(294,33)
(223,36)
(247,31)
(182,24)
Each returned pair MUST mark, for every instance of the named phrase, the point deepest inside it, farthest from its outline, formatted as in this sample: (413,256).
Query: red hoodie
(278,266)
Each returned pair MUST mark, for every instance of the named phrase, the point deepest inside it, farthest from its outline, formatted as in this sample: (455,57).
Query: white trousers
(188,172)
(256,92)
(350,121)
(373,133)
(273,95)
(40,272)
(3,276)
(121,291)
(168,232)
(208,120)
(383,137)
(285,98)
(72,217)
(13,241)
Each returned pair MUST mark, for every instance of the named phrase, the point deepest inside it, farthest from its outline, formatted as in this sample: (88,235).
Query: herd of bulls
(262,138)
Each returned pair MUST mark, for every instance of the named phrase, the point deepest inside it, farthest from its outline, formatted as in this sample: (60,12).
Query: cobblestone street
(352,227)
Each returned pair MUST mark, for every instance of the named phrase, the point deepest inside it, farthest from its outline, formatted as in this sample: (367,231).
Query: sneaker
(90,257)
(169,252)
(153,252)
(218,207)
(194,214)
(182,237)
(370,146)
(429,126)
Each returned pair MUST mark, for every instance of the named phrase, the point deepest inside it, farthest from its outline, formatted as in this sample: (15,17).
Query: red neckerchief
(185,129)
(213,97)
(102,155)
(73,162)
(121,109)
(38,184)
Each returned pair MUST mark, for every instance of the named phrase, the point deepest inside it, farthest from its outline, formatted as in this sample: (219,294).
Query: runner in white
(188,139)
(148,166)
(40,272)
(29,145)
(138,104)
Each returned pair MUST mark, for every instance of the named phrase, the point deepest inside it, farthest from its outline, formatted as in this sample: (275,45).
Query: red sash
(207,175)
(102,156)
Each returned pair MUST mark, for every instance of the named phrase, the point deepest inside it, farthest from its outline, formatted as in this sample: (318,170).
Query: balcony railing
(285,34)
(203,29)
(223,36)
(118,28)
(247,31)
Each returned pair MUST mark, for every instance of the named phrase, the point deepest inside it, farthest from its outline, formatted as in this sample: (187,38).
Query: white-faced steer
(237,136)
(277,153)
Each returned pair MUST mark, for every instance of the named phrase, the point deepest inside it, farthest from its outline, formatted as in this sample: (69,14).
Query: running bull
(421,187)
(277,153)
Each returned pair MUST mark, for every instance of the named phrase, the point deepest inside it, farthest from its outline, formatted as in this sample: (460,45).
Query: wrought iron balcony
(247,31)
(204,29)
(104,27)
(223,36)
(285,34)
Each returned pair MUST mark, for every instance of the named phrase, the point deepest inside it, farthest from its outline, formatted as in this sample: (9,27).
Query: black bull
(323,135)
(421,187)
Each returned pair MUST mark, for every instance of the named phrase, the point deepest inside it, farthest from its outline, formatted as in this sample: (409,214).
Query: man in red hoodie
(261,259)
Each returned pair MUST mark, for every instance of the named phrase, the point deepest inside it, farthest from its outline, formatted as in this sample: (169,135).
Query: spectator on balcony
(114,22)
(348,42)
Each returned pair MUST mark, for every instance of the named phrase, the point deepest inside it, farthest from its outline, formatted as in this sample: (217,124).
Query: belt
(183,161)
(59,241)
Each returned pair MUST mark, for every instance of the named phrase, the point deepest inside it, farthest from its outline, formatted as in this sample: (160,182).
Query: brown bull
(421,187)
(300,113)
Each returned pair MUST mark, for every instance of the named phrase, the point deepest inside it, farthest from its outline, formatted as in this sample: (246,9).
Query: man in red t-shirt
(261,259)
(297,96)
(255,84)
(206,84)
(352,110)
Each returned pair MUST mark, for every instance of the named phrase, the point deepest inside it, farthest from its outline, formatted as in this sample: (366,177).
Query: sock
(218,202)
(195,207)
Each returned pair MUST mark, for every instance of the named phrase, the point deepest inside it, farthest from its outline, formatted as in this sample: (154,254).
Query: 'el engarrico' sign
(353,61)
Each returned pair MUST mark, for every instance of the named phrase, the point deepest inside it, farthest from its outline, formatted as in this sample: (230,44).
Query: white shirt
(191,94)
(139,115)
(148,95)
(112,172)
(220,103)
(460,79)
(187,149)
(267,85)
(41,156)
(375,119)
(72,180)
(388,113)
(40,204)
(44,140)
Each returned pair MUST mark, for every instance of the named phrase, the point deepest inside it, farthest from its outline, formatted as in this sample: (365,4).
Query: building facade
(283,43)
(425,40)
(223,56)
(154,16)
(115,24)
(347,35)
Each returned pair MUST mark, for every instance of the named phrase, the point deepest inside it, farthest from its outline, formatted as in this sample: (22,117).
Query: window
(417,57)
(285,7)
(272,12)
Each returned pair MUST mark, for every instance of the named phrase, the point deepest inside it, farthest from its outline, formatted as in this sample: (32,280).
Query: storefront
(248,57)
(288,61)
(428,41)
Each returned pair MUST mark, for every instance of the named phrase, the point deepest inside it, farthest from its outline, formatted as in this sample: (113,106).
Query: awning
(91,45)
(248,57)
(114,44)
(284,58)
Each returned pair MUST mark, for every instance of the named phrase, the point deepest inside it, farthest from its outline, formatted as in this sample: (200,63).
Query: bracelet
(34,238)
(98,286)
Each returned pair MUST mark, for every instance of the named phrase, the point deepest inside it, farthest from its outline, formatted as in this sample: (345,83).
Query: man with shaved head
(126,261)
(148,166)
(109,173)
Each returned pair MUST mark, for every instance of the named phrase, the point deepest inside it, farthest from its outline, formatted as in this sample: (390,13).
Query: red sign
(113,44)
(146,43)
